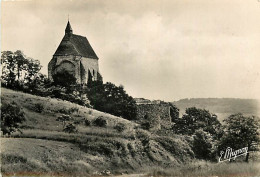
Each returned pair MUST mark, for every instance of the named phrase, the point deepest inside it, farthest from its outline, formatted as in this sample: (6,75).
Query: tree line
(208,136)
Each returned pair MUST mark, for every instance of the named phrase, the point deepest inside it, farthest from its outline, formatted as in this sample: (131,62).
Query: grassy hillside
(43,148)
(223,107)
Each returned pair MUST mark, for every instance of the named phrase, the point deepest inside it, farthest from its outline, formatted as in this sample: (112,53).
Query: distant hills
(222,107)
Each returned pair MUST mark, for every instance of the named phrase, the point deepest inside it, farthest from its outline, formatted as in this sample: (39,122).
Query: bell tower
(68,29)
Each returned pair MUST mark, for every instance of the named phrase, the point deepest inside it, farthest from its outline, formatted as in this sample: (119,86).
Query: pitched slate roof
(72,44)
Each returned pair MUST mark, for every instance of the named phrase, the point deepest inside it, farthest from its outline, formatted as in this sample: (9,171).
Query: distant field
(222,107)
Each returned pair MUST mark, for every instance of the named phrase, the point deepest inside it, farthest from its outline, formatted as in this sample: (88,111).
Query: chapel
(76,56)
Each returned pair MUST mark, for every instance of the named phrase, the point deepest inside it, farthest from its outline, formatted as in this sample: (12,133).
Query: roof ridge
(73,44)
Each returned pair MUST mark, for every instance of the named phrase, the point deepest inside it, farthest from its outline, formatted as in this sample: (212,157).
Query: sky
(167,50)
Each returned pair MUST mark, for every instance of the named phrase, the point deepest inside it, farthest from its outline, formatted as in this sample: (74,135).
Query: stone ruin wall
(158,114)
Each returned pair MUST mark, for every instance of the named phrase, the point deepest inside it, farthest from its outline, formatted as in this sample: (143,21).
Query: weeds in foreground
(203,168)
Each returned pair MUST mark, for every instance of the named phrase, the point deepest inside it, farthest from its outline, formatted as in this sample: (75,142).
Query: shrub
(64,111)
(74,109)
(146,125)
(39,107)
(202,145)
(100,122)
(63,118)
(87,122)
(120,127)
(76,122)
(143,136)
(11,118)
(64,78)
(70,128)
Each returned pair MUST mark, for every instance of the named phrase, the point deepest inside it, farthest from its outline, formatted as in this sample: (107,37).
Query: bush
(143,136)
(63,118)
(11,118)
(77,122)
(87,122)
(64,79)
(202,145)
(100,122)
(70,128)
(74,109)
(146,125)
(120,127)
(64,111)
(39,107)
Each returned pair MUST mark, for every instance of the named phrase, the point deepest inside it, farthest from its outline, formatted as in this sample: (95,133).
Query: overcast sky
(168,49)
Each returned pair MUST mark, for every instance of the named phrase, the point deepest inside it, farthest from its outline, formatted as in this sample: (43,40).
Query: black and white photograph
(130,88)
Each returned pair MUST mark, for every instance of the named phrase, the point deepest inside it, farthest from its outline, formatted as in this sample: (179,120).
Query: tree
(32,69)
(9,67)
(11,117)
(111,99)
(21,61)
(174,112)
(195,119)
(202,145)
(240,132)
(18,70)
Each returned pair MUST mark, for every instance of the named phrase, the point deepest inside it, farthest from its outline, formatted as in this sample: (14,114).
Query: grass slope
(43,148)
(222,107)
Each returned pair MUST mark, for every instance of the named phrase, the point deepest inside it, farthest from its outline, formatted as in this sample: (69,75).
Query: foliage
(120,127)
(10,65)
(174,112)
(64,118)
(111,99)
(240,132)
(202,145)
(11,117)
(73,96)
(64,78)
(18,71)
(146,125)
(142,134)
(32,67)
(22,73)
(100,121)
(87,122)
(39,107)
(70,128)
(73,109)
(195,119)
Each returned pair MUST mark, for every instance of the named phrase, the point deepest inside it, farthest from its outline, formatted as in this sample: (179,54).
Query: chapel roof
(73,44)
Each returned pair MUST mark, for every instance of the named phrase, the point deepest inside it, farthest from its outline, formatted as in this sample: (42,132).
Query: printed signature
(232,154)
